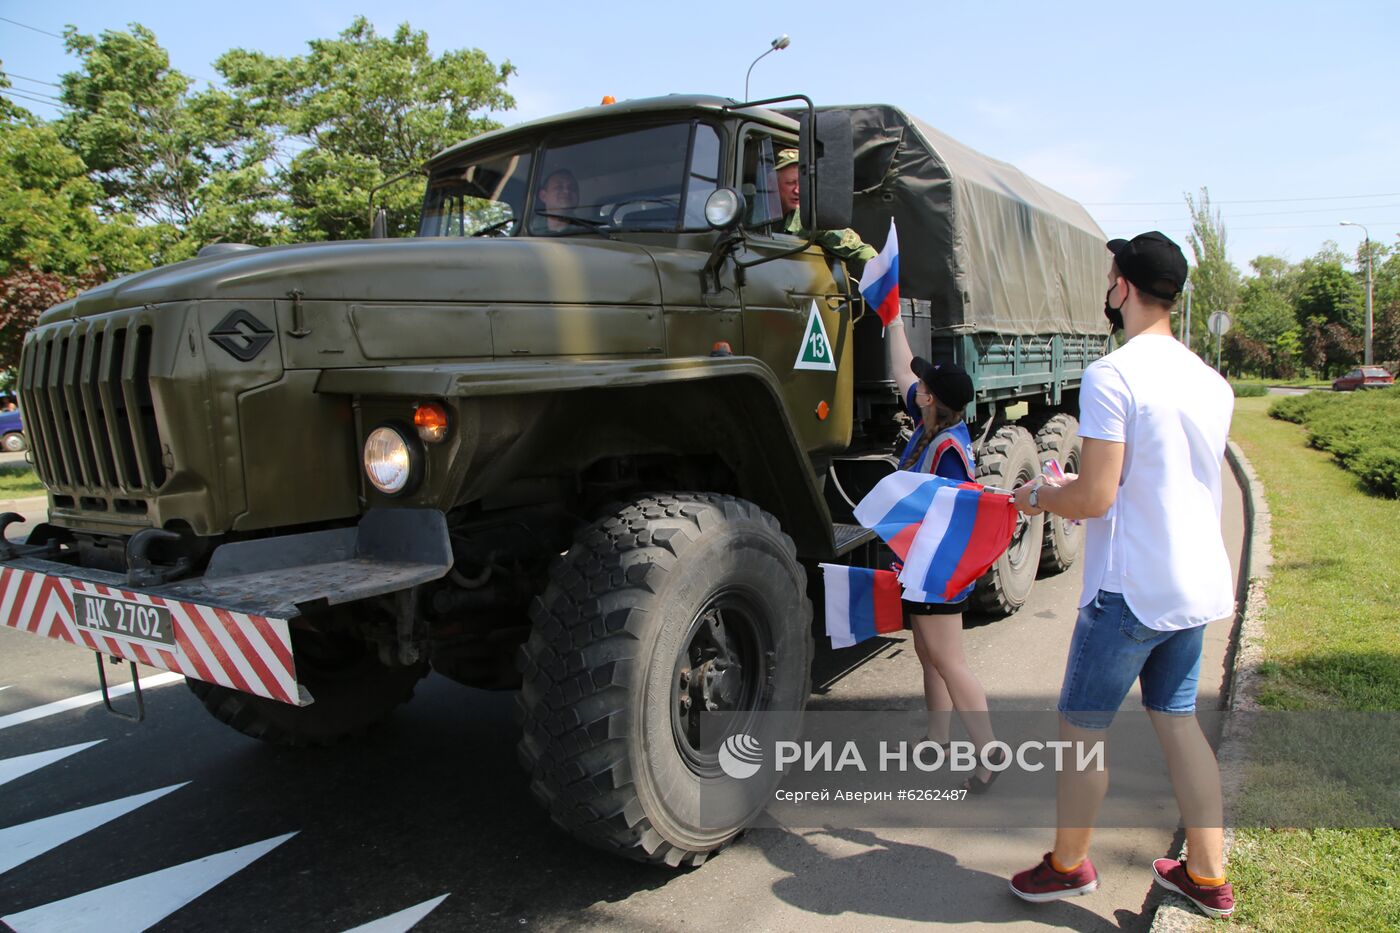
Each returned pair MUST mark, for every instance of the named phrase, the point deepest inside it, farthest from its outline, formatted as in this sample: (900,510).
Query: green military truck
(586,434)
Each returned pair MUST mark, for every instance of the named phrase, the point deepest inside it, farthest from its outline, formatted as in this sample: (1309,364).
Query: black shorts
(934,609)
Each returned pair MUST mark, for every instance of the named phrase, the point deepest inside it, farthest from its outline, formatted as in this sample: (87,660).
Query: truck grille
(86,395)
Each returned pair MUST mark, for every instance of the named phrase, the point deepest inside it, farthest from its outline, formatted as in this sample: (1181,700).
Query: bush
(1249,389)
(1362,430)
(1298,408)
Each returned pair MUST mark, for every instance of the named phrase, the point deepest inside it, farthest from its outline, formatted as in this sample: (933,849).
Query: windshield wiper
(494,227)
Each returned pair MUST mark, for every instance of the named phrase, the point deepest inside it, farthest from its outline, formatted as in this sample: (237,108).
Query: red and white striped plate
(246,652)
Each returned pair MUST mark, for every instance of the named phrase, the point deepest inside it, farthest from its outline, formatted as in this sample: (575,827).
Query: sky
(1288,112)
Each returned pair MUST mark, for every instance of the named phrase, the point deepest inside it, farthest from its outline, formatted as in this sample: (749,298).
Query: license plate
(122,618)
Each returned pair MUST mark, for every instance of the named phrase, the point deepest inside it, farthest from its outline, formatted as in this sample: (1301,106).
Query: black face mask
(1114,315)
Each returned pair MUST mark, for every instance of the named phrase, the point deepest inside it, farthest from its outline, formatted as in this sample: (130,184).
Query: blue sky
(1287,111)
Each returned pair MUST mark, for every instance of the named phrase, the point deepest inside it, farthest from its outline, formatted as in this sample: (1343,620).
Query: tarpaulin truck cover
(991,249)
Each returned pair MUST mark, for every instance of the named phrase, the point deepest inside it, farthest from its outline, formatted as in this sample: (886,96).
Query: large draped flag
(860,604)
(947,533)
(880,281)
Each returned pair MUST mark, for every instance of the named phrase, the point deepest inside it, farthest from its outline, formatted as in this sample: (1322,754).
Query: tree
(1329,294)
(190,164)
(1215,281)
(49,217)
(25,293)
(356,111)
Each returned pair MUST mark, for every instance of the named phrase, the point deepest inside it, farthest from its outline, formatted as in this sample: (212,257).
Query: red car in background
(1364,377)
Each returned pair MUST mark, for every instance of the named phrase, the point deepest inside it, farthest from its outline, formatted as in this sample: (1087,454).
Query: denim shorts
(1111,648)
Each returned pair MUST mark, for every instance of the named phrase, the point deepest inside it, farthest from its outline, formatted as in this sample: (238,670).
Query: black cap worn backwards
(1152,262)
(949,382)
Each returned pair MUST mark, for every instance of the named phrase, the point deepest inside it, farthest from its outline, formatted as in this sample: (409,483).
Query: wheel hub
(720,671)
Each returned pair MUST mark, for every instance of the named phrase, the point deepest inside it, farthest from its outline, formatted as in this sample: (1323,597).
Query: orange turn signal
(430,418)
(609,99)
(823,409)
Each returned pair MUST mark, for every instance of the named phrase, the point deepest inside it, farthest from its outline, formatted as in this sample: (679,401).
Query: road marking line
(19,844)
(402,921)
(11,768)
(139,903)
(86,699)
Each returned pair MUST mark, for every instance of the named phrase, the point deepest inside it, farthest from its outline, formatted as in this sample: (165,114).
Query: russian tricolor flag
(860,604)
(880,281)
(947,533)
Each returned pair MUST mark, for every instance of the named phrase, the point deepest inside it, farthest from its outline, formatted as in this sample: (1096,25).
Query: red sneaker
(1044,883)
(1217,902)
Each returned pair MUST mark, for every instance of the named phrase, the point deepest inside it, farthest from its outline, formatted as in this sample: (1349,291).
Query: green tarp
(991,249)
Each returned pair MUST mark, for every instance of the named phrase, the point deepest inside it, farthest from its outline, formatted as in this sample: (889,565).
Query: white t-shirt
(1160,543)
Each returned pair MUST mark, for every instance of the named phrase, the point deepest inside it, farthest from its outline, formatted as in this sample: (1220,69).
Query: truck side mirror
(829,153)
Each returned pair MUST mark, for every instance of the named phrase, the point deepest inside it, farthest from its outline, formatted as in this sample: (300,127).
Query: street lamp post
(776,45)
(1186,316)
(1366,358)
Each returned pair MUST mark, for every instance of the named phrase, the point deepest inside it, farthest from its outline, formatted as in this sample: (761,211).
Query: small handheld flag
(860,604)
(880,281)
(947,533)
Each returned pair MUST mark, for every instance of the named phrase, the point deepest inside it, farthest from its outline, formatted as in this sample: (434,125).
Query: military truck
(586,436)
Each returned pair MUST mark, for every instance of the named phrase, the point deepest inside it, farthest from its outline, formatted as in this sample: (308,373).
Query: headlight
(391,461)
(723,208)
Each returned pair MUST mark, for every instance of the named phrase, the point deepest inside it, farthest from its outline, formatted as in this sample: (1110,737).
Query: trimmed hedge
(1249,389)
(1360,429)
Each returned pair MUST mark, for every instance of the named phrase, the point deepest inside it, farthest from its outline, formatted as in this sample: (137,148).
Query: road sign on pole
(1218,324)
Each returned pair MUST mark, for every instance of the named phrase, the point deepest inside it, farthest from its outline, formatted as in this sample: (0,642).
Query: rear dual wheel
(1009,459)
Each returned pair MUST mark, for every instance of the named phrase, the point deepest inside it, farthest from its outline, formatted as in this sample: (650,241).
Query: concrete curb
(1173,914)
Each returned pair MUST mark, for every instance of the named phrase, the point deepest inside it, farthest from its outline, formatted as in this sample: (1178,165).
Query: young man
(1154,419)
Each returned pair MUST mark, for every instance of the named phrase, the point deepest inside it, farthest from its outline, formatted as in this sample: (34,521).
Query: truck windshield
(476,199)
(655,178)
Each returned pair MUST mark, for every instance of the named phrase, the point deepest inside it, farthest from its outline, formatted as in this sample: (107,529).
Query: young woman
(935,395)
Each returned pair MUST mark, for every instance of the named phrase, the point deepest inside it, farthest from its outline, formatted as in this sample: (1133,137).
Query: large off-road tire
(1007,460)
(1058,439)
(674,601)
(353,691)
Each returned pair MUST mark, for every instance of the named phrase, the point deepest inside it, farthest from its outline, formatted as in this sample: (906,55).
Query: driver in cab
(556,197)
(846,244)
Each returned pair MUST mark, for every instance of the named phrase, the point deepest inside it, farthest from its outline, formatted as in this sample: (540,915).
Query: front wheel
(675,606)
(13,442)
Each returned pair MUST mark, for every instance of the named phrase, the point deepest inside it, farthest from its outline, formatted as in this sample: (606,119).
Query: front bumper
(231,625)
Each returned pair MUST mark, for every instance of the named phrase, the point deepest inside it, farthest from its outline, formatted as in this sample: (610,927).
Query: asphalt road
(181,824)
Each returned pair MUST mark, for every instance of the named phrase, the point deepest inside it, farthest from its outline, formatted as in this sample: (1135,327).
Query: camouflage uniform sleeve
(845,244)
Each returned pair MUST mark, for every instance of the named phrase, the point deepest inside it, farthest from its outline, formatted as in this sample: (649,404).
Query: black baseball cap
(1152,262)
(948,381)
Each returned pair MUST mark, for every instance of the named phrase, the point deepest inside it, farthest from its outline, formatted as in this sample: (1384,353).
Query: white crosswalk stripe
(12,768)
(86,699)
(19,844)
(402,921)
(139,903)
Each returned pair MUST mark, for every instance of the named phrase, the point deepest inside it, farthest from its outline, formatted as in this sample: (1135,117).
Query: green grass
(1330,644)
(17,481)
